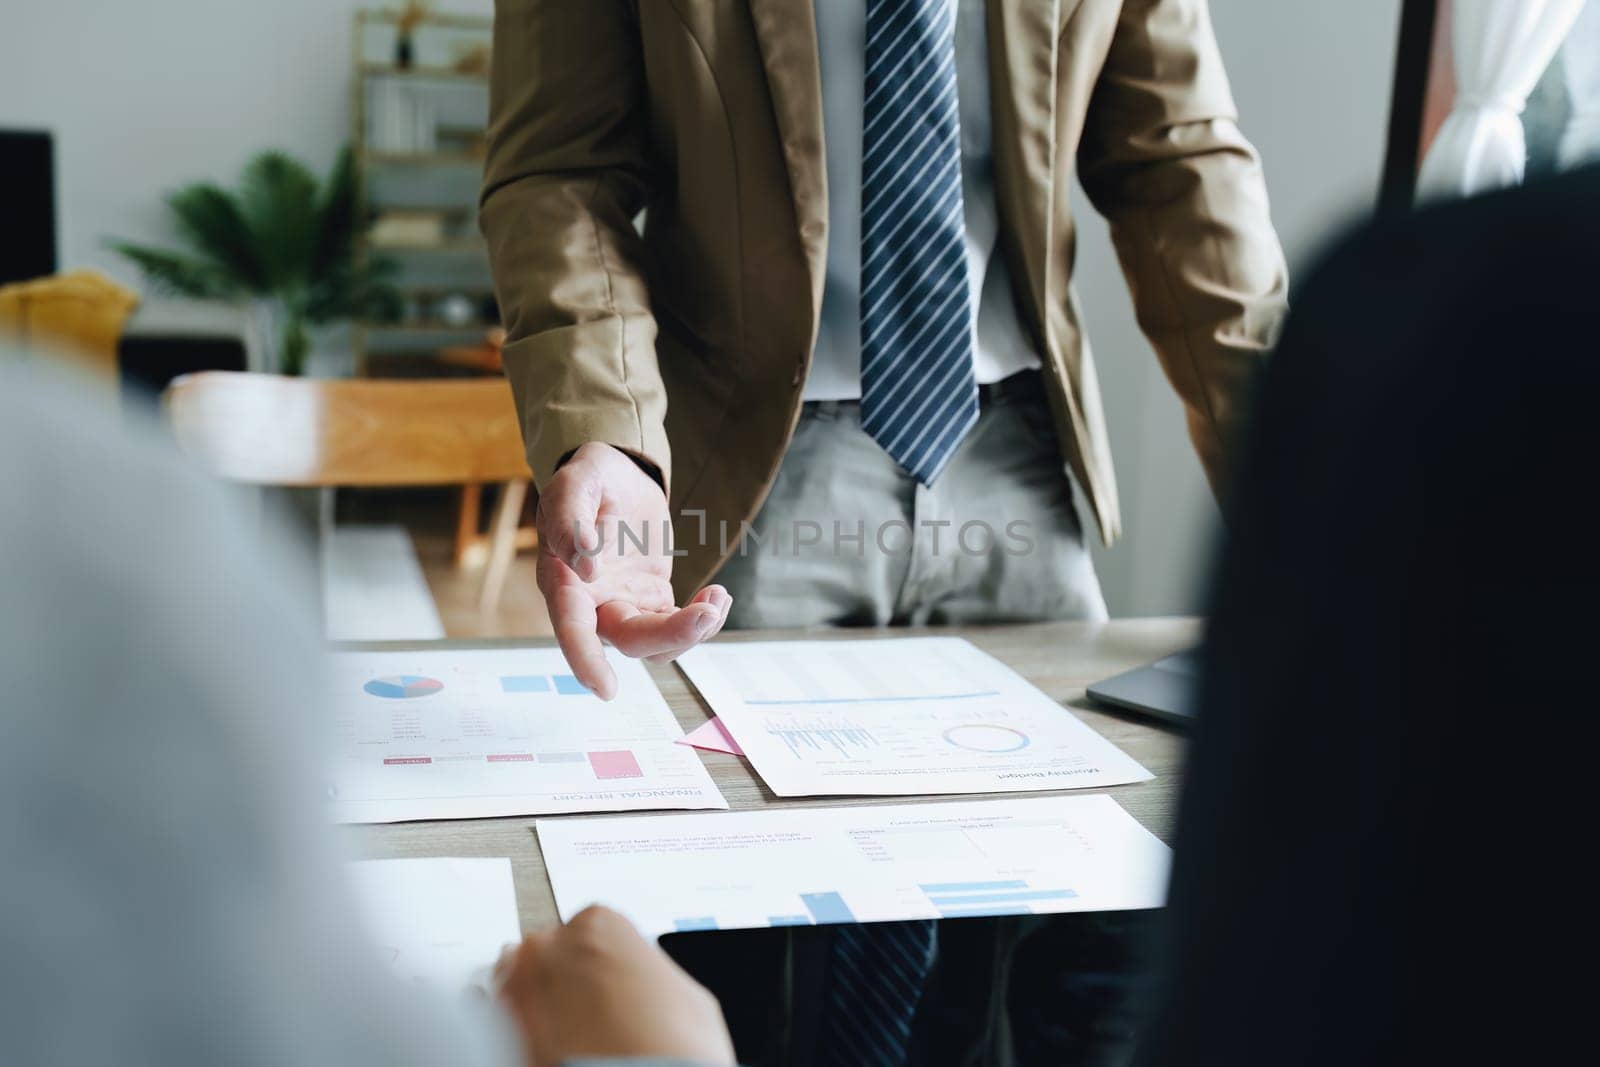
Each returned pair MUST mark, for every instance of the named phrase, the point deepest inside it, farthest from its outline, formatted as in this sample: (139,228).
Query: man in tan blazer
(794,276)
(658,211)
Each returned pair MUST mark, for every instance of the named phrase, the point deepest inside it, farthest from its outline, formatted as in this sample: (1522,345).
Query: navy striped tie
(918,393)
(874,982)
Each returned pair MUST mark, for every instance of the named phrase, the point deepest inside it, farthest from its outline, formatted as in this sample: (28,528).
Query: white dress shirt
(1000,345)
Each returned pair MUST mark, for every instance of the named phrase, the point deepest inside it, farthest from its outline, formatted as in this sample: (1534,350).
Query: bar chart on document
(469,734)
(897,717)
(877,863)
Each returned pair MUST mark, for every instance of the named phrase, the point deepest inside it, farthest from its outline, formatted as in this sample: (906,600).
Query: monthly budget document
(874,863)
(477,733)
(906,716)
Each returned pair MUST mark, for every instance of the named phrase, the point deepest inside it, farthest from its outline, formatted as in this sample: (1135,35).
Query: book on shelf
(407,229)
(400,120)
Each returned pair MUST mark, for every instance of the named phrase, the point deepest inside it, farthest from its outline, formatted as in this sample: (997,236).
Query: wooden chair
(268,430)
(486,357)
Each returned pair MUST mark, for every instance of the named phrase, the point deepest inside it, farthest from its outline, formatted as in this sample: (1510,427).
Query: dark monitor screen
(27,205)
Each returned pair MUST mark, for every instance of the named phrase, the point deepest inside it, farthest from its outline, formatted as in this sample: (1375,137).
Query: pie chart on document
(403,686)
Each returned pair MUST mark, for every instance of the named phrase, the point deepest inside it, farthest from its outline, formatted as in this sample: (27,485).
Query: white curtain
(1580,141)
(1501,48)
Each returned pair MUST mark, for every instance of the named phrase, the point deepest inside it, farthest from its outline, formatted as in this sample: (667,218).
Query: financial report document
(438,922)
(906,716)
(492,732)
(876,863)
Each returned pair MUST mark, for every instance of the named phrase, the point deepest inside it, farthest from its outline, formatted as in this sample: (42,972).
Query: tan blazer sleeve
(1163,160)
(566,174)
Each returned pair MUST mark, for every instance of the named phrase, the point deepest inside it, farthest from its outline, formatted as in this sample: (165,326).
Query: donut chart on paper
(403,686)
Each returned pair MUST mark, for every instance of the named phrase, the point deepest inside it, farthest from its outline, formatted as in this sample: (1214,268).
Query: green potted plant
(280,238)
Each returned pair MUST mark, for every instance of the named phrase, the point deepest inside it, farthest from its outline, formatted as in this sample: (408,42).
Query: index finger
(572,611)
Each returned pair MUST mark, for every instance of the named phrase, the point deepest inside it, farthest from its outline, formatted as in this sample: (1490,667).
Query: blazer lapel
(787,32)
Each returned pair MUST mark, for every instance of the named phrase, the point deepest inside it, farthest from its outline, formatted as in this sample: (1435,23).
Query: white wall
(1312,80)
(146,96)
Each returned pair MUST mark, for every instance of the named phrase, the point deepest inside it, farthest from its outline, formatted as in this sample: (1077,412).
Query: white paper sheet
(438,922)
(805,866)
(471,734)
(917,715)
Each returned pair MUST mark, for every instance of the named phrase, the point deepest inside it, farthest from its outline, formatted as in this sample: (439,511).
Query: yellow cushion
(81,312)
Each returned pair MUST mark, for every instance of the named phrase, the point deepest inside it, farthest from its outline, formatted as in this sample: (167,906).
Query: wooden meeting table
(1060,658)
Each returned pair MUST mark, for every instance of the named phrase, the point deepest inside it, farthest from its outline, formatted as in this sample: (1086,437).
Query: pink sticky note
(713,737)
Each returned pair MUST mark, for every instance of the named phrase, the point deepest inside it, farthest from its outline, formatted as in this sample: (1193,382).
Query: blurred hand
(595,988)
(599,586)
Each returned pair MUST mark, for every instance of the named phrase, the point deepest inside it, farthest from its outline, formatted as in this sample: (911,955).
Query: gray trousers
(847,538)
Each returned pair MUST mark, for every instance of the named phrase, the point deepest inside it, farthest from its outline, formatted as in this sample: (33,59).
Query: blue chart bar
(569,686)
(524,683)
(846,738)
(827,907)
(971,887)
(998,909)
(700,922)
(1003,898)
(788,920)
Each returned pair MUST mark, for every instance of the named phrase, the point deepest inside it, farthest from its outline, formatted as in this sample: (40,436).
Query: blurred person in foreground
(1380,852)
(170,894)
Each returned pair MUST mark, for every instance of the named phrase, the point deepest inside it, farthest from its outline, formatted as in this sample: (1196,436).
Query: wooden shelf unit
(439,179)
